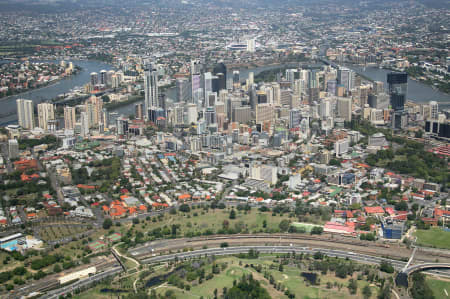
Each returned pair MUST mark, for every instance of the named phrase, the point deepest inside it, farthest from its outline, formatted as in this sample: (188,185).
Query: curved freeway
(302,240)
(362,258)
(425,266)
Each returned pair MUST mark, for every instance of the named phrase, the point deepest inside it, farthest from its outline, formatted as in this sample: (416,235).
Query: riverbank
(417,91)
(8,114)
(76,71)
(131,100)
(441,87)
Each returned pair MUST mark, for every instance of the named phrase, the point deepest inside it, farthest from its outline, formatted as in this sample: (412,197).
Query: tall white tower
(25,113)
(151,89)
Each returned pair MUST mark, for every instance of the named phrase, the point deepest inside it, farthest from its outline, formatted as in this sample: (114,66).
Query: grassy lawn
(438,286)
(57,232)
(213,220)
(290,278)
(94,293)
(434,237)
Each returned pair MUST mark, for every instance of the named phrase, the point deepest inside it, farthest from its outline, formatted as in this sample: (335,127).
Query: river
(417,91)
(8,113)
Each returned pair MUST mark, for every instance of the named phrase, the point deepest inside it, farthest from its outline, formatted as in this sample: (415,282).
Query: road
(324,241)
(362,258)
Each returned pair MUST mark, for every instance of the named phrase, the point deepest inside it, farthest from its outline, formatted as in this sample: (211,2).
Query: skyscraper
(294,118)
(251,78)
(182,86)
(434,110)
(236,79)
(93,108)
(46,112)
(25,113)
(331,86)
(69,117)
(196,69)
(253,97)
(398,86)
(220,70)
(103,79)
(138,110)
(290,75)
(84,124)
(13,148)
(344,108)
(105,118)
(207,83)
(346,77)
(191,113)
(379,101)
(94,78)
(151,89)
(251,47)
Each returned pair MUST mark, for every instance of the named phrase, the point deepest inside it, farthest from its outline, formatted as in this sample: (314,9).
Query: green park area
(434,237)
(275,276)
(191,222)
(440,288)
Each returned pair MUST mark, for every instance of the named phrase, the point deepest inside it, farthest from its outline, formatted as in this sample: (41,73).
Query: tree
(20,271)
(107,223)
(56,268)
(335,162)
(233,214)
(264,224)
(284,225)
(420,289)
(174,229)
(385,292)
(386,267)
(401,206)
(184,208)
(317,230)
(367,292)
(352,286)
(247,287)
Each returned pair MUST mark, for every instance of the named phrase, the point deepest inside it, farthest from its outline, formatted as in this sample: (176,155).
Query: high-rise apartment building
(344,108)
(46,112)
(434,109)
(251,45)
(25,113)
(264,112)
(69,117)
(84,124)
(379,100)
(94,78)
(13,148)
(346,77)
(182,89)
(94,110)
(138,111)
(151,89)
